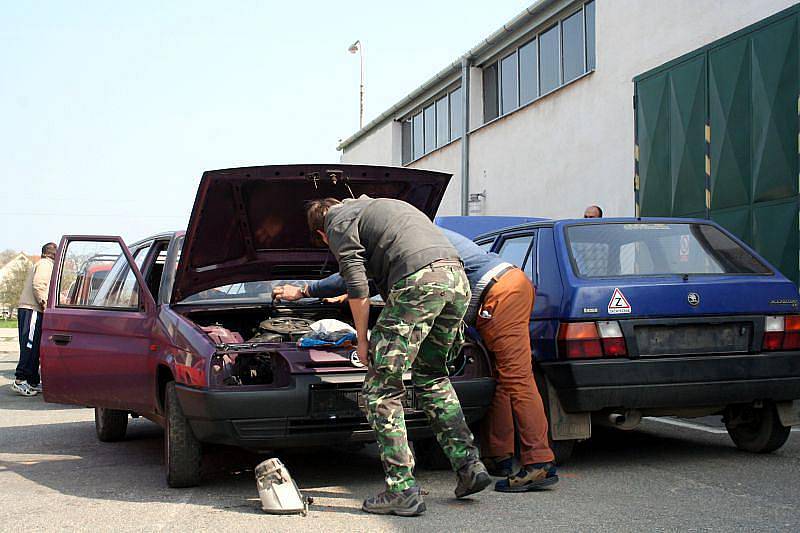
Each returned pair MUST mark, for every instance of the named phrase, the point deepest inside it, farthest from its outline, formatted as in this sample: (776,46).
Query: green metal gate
(717,137)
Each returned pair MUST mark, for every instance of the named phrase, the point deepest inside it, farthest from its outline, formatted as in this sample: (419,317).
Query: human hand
(363,352)
(289,293)
(336,299)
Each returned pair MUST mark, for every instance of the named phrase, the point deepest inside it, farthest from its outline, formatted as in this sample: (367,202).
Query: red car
(180,328)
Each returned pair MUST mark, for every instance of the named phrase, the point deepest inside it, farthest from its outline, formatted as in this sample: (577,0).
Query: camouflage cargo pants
(416,330)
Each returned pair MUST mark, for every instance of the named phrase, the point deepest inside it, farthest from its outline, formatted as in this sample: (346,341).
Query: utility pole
(358,46)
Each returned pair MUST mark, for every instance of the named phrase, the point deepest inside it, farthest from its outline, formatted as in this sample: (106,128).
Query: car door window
(97,274)
(515,249)
(530,262)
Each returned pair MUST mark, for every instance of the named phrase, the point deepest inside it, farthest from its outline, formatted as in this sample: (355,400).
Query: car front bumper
(674,382)
(261,419)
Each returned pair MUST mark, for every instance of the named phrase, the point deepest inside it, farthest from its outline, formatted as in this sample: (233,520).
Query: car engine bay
(249,338)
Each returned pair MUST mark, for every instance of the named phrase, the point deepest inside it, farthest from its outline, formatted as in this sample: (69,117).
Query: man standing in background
(31,306)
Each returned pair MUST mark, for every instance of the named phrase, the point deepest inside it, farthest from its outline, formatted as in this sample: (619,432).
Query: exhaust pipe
(626,420)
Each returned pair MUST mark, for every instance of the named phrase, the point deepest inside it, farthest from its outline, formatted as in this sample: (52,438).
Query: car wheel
(182,450)
(756,430)
(110,424)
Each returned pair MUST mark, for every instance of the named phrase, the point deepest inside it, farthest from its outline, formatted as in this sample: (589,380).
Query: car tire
(110,424)
(756,430)
(182,450)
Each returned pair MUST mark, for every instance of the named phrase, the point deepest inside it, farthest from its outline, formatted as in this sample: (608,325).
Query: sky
(111,111)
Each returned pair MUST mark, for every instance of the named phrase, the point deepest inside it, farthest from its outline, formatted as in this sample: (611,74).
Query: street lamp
(358,46)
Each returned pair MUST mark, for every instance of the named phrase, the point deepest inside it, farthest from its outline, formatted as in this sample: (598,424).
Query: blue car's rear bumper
(671,382)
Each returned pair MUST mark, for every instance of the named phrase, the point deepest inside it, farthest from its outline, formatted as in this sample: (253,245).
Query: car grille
(690,339)
(345,402)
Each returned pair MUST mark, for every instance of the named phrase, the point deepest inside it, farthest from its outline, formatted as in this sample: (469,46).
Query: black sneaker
(406,503)
(472,478)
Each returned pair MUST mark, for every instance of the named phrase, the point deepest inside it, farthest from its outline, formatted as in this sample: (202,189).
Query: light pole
(358,46)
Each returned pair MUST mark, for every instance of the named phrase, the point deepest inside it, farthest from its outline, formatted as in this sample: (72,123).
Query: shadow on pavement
(16,402)
(67,458)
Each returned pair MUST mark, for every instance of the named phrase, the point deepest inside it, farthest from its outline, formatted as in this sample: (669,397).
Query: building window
(549,68)
(419,136)
(588,19)
(572,46)
(509,83)
(442,121)
(491,109)
(456,115)
(406,135)
(528,67)
(554,56)
(429,117)
(438,123)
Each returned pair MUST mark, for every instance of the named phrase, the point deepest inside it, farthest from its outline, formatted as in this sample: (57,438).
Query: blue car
(657,317)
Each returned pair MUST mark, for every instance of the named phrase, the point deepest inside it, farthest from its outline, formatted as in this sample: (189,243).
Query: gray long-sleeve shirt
(383,239)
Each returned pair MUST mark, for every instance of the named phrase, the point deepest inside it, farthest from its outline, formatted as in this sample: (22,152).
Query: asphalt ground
(664,476)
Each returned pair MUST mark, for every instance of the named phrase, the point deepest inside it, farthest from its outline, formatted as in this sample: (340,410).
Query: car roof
(590,221)
(162,235)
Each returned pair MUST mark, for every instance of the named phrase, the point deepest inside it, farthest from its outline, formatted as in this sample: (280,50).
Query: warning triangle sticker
(619,304)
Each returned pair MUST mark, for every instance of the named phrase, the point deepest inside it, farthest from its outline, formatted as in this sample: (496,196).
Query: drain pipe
(465,66)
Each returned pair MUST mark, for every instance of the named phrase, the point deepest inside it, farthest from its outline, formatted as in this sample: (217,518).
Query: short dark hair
(315,215)
(49,249)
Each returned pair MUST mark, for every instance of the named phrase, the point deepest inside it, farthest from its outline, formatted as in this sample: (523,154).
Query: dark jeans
(30,335)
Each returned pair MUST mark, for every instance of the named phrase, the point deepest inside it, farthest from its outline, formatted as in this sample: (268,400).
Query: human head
(49,250)
(315,215)
(593,211)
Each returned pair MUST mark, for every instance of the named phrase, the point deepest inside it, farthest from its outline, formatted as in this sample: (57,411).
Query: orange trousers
(506,334)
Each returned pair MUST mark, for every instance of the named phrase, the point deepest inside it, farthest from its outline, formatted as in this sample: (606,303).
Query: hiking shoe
(22,387)
(498,467)
(531,477)
(406,503)
(472,478)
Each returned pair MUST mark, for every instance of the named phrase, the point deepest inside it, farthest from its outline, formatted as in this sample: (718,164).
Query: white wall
(575,146)
(381,147)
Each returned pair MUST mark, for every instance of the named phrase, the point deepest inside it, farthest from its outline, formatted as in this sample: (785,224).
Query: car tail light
(579,340)
(590,340)
(781,333)
(612,338)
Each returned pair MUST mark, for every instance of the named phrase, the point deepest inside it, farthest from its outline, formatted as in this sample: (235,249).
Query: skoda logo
(693,298)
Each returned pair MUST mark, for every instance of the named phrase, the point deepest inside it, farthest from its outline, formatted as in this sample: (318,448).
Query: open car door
(97,327)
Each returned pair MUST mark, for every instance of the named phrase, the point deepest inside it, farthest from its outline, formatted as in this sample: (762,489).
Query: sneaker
(406,503)
(531,477)
(22,387)
(37,387)
(472,478)
(499,467)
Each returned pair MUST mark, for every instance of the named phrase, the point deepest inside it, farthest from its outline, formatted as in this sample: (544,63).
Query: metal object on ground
(278,491)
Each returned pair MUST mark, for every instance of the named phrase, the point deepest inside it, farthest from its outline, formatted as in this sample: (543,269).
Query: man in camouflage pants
(427,293)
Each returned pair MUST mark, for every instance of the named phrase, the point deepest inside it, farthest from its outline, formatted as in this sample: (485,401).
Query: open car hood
(249,224)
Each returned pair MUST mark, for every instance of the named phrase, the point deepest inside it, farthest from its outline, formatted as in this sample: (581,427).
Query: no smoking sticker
(619,304)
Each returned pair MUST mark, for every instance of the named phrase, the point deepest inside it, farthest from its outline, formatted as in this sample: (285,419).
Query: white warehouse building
(546,126)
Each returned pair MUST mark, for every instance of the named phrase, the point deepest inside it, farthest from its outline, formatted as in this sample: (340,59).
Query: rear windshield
(650,249)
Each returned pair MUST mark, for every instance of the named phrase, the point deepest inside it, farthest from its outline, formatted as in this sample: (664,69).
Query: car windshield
(250,291)
(656,249)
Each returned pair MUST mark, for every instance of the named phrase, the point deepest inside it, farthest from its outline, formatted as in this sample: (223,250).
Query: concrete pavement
(55,475)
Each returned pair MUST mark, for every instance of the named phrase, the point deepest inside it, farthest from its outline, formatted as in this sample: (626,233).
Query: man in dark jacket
(426,292)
